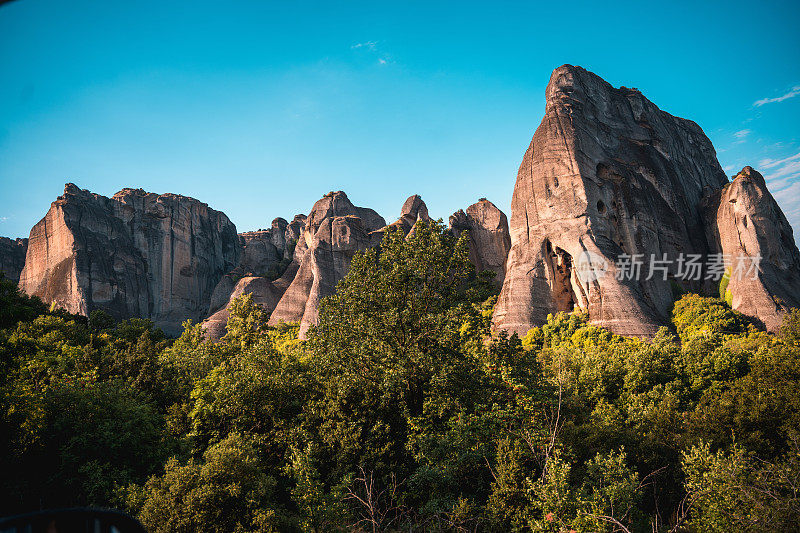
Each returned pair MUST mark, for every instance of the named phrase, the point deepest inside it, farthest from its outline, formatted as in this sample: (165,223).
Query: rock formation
(608,181)
(293,231)
(606,175)
(413,209)
(489,239)
(137,254)
(267,254)
(326,242)
(745,223)
(12,257)
(265,293)
(335,230)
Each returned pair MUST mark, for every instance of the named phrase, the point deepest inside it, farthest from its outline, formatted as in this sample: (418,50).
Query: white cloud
(3,219)
(770,163)
(729,168)
(789,196)
(791,94)
(791,167)
(370,45)
(776,184)
(741,134)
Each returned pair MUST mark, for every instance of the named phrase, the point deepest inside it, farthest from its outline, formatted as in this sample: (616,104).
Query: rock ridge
(136,254)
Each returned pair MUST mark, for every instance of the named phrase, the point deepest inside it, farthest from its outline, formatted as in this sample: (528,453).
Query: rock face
(413,209)
(265,293)
(489,238)
(293,231)
(261,251)
(137,254)
(335,230)
(266,255)
(607,174)
(745,222)
(12,257)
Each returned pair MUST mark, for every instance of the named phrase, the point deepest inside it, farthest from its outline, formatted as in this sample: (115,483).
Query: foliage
(734,491)
(404,410)
(16,306)
(227,491)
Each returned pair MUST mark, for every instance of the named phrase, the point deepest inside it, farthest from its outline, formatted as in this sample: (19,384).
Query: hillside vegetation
(402,411)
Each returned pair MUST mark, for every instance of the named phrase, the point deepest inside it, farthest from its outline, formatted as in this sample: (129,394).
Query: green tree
(735,491)
(78,442)
(229,490)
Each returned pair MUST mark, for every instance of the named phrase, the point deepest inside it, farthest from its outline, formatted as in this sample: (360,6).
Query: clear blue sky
(260,108)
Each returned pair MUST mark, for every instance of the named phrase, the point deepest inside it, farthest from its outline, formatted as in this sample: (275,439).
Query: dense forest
(403,411)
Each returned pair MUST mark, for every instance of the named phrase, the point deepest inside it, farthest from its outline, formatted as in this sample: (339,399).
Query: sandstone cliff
(607,173)
(489,239)
(137,254)
(267,255)
(745,222)
(265,293)
(12,257)
(334,231)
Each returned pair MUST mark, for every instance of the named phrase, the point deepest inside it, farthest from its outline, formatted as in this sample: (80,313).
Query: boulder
(137,254)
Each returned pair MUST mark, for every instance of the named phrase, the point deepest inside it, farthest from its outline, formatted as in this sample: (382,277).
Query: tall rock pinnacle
(607,174)
(745,222)
(334,231)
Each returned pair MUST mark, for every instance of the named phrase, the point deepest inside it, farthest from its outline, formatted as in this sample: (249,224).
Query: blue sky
(260,108)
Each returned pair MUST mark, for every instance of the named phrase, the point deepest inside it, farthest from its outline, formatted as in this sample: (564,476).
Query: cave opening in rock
(561,265)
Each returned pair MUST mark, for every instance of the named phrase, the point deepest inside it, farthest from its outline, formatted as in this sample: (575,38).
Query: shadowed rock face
(489,239)
(260,251)
(12,257)
(137,254)
(609,173)
(265,293)
(335,230)
(264,251)
(744,221)
(293,231)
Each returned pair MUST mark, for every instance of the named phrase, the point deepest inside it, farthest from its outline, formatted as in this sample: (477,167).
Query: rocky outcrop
(137,254)
(335,230)
(413,210)
(12,257)
(293,231)
(607,175)
(267,255)
(609,181)
(747,226)
(261,251)
(265,293)
(489,239)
